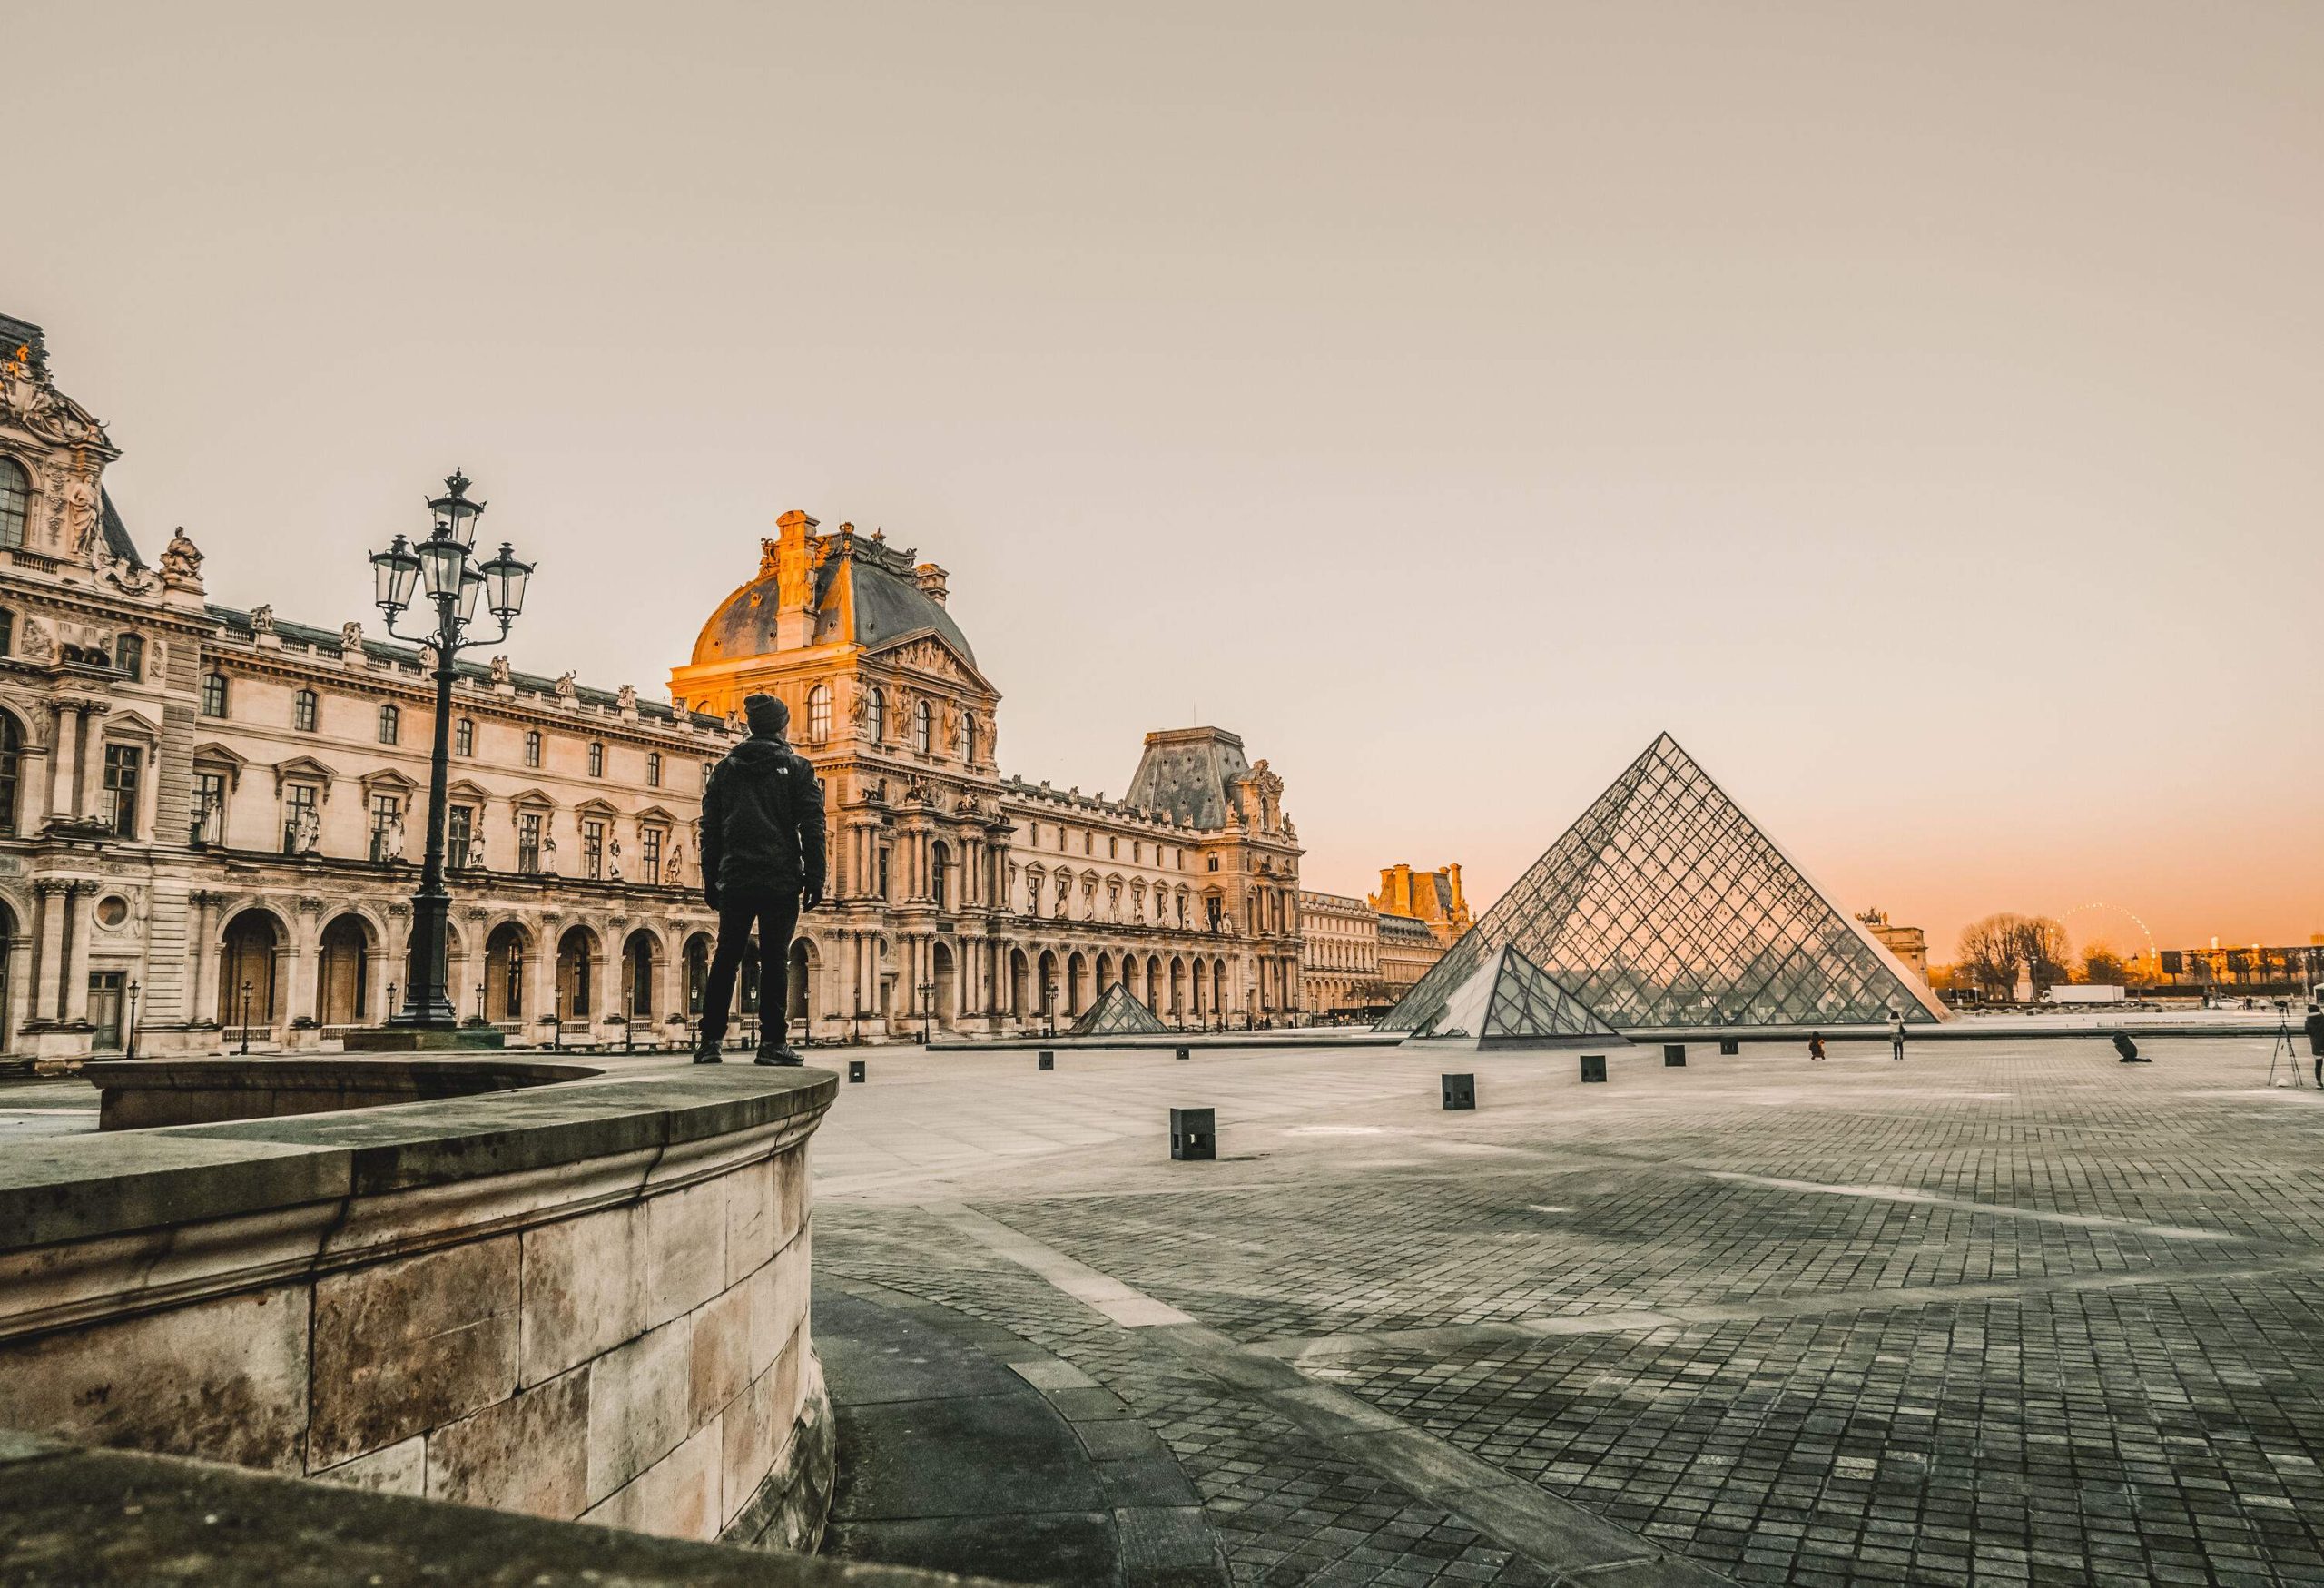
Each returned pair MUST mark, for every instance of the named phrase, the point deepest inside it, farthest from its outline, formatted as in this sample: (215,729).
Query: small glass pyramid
(1512,1002)
(1665,906)
(1118,1012)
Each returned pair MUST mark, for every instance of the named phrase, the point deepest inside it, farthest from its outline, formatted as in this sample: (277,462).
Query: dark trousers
(773,915)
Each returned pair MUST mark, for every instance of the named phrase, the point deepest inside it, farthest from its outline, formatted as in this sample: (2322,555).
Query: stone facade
(1432,898)
(963,900)
(210,819)
(587,1304)
(1340,953)
(1407,950)
(1909,944)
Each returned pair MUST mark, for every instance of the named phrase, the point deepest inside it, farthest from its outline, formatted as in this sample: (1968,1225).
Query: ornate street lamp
(927,1012)
(438,571)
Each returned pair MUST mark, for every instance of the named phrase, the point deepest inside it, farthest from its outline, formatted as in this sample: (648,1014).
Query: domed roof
(856,601)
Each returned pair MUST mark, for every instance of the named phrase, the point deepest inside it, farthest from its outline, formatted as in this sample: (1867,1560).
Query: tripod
(2285,1052)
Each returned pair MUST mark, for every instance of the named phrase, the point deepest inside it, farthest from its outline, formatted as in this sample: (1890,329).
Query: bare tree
(1989,955)
(2039,944)
(2102,967)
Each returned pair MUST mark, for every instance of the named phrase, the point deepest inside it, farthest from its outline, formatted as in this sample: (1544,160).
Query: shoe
(707,1054)
(778,1054)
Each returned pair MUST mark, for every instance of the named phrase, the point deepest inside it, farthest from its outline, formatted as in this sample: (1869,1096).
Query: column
(48,936)
(540,978)
(64,764)
(87,752)
(305,933)
(78,899)
(203,1008)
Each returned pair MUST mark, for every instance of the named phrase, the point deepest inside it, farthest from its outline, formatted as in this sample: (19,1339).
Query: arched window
(12,750)
(532,746)
(129,656)
(924,727)
(303,710)
(819,714)
(390,722)
(596,759)
(969,737)
(214,694)
(875,716)
(464,736)
(653,769)
(15,501)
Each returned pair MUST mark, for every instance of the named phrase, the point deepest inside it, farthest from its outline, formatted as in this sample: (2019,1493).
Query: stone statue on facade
(262,619)
(566,688)
(548,856)
(476,851)
(500,669)
(306,831)
(78,505)
(673,871)
(351,639)
(181,561)
(626,700)
(391,838)
(613,860)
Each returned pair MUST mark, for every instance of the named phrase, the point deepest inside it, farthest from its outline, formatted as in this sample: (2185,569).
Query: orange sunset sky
(1913,409)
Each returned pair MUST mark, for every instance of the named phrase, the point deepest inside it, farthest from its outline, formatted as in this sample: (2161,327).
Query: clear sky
(1914,409)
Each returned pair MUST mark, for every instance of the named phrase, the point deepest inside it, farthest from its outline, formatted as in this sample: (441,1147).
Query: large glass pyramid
(1118,1012)
(1666,905)
(1512,1002)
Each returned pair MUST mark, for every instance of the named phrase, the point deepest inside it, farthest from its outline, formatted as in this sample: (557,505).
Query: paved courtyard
(2007,1312)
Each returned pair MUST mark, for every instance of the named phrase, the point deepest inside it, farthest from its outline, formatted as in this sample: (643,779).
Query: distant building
(1408,949)
(1908,943)
(1432,898)
(1339,953)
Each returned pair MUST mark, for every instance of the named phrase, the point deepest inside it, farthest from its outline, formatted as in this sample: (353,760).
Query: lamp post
(132,1053)
(927,1011)
(440,567)
(246,1020)
(1049,1003)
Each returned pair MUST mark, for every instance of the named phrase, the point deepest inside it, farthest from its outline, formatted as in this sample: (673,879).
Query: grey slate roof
(887,606)
(1186,773)
(116,533)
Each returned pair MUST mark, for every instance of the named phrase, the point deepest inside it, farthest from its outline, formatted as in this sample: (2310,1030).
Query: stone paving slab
(2003,1314)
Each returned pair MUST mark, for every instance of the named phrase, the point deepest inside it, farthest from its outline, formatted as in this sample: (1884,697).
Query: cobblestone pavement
(2006,1313)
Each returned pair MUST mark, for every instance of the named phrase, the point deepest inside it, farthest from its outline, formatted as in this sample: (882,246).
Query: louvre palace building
(210,819)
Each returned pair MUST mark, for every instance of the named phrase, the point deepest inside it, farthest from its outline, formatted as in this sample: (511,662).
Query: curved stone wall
(585,1300)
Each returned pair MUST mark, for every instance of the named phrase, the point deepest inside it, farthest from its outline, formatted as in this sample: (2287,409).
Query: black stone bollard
(1460,1091)
(855,1070)
(1593,1066)
(1730,1046)
(1185,1053)
(1674,1055)
(1048,1061)
(1194,1133)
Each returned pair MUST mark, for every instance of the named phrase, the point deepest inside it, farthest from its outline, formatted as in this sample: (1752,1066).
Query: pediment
(926,651)
(387,777)
(464,789)
(597,807)
(652,815)
(211,751)
(303,766)
(533,797)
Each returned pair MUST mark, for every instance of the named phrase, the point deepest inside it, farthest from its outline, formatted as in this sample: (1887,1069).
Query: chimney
(930,580)
(794,581)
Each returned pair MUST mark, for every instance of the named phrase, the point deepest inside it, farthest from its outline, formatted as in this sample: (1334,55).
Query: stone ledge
(148,1093)
(86,1518)
(83,1188)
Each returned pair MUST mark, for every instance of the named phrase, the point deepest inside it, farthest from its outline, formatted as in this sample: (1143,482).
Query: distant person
(2128,1048)
(1815,1044)
(762,863)
(1895,1035)
(2314,1026)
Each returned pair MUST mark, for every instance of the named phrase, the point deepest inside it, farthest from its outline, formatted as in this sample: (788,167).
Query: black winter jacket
(762,823)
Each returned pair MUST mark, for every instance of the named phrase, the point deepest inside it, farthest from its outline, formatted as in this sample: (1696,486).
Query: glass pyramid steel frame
(1512,1002)
(1665,906)
(1118,1012)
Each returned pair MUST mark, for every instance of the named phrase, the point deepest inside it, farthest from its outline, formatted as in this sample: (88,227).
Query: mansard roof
(865,595)
(1187,774)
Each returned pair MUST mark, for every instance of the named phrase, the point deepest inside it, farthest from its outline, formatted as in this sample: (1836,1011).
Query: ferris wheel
(2114,913)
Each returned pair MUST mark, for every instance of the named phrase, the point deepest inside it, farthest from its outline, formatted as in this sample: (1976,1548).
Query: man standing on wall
(762,863)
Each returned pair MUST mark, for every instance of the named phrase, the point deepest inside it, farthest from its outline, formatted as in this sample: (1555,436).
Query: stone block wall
(581,1302)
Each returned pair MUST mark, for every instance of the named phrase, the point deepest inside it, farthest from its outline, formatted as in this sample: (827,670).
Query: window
(969,737)
(593,849)
(528,840)
(875,716)
(532,746)
(1113,848)
(12,753)
(883,874)
(819,714)
(649,850)
(464,736)
(924,727)
(129,656)
(214,694)
(15,501)
(653,769)
(209,808)
(123,764)
(597,761)
(459,834)
(1214,862)
(386,816)
(303,710)
(7,631)
(298,811)
(1087,839)
(390,722)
